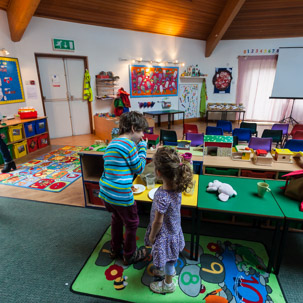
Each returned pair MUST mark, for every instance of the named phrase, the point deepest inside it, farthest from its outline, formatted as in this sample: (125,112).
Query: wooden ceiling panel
(4,4)
(191,19)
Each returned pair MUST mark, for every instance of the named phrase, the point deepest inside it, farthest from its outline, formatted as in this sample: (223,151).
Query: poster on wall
(153,81)
(11,89)
(189,100)
(222,80)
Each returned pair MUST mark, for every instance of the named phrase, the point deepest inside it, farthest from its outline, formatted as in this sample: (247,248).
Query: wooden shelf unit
(106,87)
(16,121)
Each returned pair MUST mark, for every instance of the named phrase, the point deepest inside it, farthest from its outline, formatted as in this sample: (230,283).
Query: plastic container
(28,115)
(15,132)
(258,174)
(30,129)
(221,171)
(20,149)
(93,193)
(40,126)
(4,134)
(42,140)
(32,144)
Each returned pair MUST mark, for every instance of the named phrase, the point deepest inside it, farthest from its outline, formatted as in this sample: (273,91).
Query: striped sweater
(122,159)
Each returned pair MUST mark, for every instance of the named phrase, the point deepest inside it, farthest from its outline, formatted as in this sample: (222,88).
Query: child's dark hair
(132,121)
(173,169)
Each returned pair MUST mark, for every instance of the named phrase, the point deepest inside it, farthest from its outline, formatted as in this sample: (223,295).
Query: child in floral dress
(164,232)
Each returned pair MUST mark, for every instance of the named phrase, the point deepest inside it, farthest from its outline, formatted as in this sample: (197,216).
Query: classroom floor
(73,194)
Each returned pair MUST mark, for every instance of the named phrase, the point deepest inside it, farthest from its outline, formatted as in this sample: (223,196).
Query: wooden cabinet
(25,135)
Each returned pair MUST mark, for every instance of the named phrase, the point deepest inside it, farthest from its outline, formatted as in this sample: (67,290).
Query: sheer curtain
(255,81)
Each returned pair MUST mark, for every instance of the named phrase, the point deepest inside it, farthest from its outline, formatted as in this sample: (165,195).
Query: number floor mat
(227,270)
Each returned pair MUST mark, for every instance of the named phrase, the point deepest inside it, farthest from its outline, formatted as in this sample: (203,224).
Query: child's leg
(169,272)
(116,230)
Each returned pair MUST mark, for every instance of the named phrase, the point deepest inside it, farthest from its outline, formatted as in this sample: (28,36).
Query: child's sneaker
(162,288)
(138,255)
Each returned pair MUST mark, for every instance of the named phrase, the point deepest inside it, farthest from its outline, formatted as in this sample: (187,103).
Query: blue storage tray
(40,126)
(30,129)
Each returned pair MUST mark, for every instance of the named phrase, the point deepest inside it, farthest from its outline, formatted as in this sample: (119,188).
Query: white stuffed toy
(225,190)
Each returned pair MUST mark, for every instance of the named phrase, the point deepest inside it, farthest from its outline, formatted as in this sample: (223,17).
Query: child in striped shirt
(124,157)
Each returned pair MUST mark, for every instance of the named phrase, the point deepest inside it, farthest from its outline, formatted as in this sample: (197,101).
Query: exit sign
(63,45)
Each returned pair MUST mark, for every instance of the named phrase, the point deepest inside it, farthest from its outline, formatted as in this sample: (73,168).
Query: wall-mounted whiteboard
(288,82)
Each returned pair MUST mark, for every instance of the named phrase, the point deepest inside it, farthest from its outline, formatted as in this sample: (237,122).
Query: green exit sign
(63,45)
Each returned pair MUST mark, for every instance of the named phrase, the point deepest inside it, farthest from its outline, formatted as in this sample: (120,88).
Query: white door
(62,85)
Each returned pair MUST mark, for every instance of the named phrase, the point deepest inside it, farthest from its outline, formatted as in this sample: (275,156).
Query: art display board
(189,100)
(153,81)
(222,80)
(11,89)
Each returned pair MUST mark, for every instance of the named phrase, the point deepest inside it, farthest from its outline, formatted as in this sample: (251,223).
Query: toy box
(241,152)
(283,155)
(32,144)
(15,132)
(41,126)
(218,145)
(153,140)
(20,149)
(93,190)
(263,159)
(30,129)
(27,113)
(4,134)
(42,140)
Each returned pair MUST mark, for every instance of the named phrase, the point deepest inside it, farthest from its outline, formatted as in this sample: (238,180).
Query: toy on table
(225,190)
(218,145)
(241,152)
(262,157)
(283,155)
(153,140)
(183,144)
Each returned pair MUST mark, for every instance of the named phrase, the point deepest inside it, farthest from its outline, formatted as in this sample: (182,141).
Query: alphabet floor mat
(50,172)
(227,271)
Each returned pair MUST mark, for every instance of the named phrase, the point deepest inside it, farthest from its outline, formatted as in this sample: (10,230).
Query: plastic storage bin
(221,171)
(30,129)
(15,132)
(93,192)
(32,144)
(258,174)
(20,149)
(42,140)
(40,126)
(4,134)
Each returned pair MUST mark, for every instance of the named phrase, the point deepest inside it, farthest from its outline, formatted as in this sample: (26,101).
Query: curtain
(256,76)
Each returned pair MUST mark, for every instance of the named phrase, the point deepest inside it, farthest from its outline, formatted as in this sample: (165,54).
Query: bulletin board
(11,89)
(189,100)
(153,81)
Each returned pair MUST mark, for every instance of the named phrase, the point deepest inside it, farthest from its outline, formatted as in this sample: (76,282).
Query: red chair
(190,128)
(296,128)
(298,135)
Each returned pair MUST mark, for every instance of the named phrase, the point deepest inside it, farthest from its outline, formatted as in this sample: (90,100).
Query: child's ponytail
(184,177)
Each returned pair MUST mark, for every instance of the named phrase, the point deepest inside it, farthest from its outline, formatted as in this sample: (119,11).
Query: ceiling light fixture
(148,61)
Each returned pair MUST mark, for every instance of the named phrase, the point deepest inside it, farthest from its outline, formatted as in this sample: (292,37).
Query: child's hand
(151,239)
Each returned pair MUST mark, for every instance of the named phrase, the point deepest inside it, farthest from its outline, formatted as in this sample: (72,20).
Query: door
(62,89)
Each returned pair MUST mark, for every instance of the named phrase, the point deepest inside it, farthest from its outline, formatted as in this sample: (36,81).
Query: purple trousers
(124,216)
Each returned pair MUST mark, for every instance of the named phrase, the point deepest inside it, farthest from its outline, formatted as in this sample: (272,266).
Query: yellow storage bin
(20,149)
(15,132)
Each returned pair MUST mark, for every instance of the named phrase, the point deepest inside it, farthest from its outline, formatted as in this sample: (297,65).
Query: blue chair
(294,145)
(212,130)
(251,126)
(196,139)
(225,125)
(168,143)
(243,134)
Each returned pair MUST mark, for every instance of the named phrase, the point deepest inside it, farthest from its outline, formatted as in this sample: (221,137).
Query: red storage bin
(32,144)
(42,140)
(93,193)
(28,115)
(258,174)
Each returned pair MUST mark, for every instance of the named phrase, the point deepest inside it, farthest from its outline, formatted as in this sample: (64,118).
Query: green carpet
(227,270)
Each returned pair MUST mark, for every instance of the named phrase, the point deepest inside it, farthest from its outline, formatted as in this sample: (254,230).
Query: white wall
(104,46)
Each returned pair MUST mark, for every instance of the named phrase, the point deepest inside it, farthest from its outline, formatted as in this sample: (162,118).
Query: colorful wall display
(222,80)
(189,100)
(11,89)
(257,51)
(153,81)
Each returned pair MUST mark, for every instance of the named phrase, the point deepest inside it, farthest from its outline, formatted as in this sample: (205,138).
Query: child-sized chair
(168,135)
(196,139)
(190,128)
(294,145)
(212,130)
(225,125)
(243,134)
(296,128)
(298,135)
(251,126)
(276,135)
(260,143)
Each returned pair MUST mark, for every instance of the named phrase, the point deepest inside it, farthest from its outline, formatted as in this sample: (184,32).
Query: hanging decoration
(222,80)
(260,51)
(152,81)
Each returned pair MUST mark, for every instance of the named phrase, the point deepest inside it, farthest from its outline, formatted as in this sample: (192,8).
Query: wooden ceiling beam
(228,14)
(19,15)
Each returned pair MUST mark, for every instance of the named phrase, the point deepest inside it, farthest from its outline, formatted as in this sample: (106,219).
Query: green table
(246,203)
(169,112)
(291,211)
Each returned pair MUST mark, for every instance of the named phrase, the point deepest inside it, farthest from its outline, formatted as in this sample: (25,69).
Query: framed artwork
(153,81)
(189,100)
(222,80)
(11,88)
